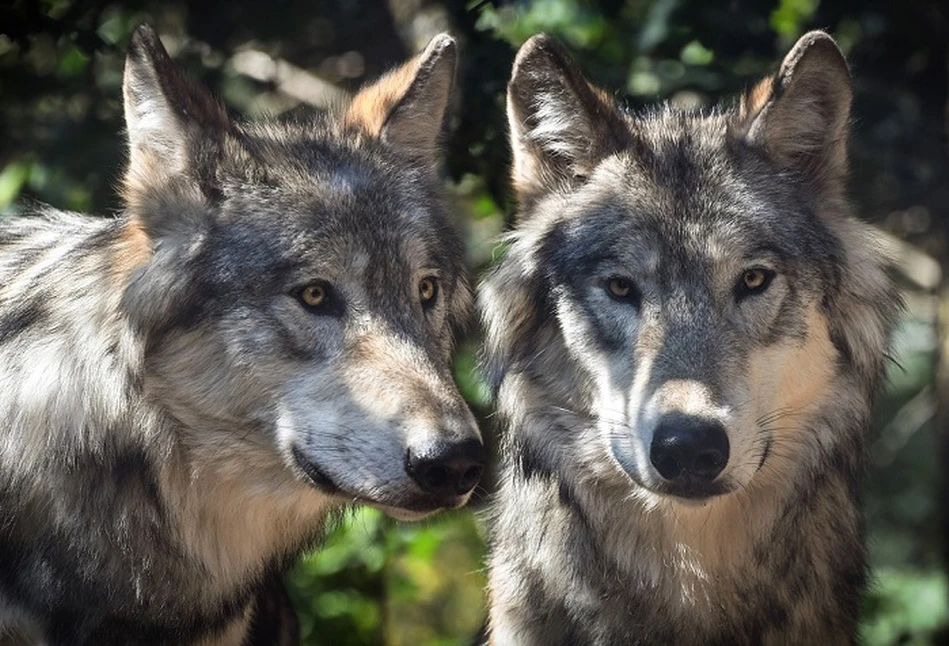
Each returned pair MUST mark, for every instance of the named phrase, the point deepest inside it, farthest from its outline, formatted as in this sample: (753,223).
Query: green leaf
(695,53)
(12,179)
(72,62)
(789,18)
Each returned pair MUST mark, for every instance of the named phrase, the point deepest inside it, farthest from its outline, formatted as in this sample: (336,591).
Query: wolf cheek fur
(265,336)
(685,336)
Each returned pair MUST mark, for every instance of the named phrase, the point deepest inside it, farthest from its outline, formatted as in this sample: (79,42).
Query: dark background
(376,581)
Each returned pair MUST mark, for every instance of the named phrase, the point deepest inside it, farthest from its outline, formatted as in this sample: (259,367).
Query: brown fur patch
(131,250)
(795,380)
(394,376)
(144,171)
(806,370)
(755,99)
(371,107)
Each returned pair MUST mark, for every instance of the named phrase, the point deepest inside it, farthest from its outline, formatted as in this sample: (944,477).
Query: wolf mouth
(314,473)
(401,509)
(693,492)
(690,491)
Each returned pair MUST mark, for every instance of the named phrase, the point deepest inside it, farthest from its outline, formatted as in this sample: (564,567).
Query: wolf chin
(684,336)
(189,390)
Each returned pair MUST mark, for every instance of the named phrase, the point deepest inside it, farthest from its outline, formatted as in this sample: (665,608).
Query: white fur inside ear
(153,128)
(561,126)
(558,129)
(551,141)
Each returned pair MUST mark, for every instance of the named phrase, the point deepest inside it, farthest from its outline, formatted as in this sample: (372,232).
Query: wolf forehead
(334,173)
(298,193)
(685,195)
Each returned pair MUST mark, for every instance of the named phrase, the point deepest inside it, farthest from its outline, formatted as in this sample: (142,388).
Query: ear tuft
(801,114)
(561,126)
(407,106)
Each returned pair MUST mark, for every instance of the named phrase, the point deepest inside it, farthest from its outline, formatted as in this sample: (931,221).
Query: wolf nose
(446,469)
(689,448)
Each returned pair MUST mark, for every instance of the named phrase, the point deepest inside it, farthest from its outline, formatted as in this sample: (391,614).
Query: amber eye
(313,296)
(620,287)
(754,278)
(427,290)
(754,281)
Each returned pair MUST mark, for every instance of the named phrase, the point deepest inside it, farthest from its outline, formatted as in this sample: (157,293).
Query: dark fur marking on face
(565,495)
(844,351)
(790,322)
(21,316)
(568,257)
(531,462)
(134,469)
(497,365)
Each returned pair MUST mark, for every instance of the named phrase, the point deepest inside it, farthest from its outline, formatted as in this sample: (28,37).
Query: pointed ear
(561,126)
(171,121)
(407,106)
(801,114)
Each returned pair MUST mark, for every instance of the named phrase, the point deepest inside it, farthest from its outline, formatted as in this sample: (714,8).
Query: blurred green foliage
(377,581)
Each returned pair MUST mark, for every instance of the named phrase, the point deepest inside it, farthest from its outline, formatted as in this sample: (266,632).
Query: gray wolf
(685,336)
(190,390)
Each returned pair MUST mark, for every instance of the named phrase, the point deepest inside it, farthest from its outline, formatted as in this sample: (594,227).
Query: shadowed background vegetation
(380,582)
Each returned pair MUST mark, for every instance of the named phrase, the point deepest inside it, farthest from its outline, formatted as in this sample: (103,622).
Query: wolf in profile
(685,337)
(264,336)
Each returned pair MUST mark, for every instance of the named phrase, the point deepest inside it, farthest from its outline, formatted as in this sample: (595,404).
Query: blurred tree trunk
(942,366)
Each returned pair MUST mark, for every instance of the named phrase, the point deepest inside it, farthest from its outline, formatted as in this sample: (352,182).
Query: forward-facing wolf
(685,337)
(187,391)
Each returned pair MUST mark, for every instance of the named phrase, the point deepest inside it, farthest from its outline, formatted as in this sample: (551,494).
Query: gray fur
(589,544)
(178,426)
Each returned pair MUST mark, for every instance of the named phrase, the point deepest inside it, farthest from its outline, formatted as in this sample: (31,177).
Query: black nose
(446,469)
(686,448)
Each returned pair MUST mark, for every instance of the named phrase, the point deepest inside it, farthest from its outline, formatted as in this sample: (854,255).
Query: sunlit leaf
(12,179)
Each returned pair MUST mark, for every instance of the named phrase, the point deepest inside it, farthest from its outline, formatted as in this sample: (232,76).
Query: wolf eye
(620,288)
(428,290)
(754,281)
(314,296)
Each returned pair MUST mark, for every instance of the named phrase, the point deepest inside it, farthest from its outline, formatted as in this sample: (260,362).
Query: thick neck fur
(100,479)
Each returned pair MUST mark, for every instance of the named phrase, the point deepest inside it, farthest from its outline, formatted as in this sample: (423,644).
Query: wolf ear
(561,126)
(800,115)
(166,115)
(407,106)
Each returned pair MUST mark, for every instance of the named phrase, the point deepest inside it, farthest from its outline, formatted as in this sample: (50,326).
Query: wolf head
(297,284)
(690,287)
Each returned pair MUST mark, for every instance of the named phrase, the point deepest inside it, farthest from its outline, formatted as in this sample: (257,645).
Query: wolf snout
(446,469)
(689,450)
